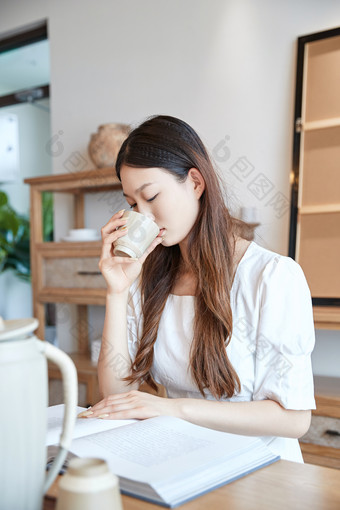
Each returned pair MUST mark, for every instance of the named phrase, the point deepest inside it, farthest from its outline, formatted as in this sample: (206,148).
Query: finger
(152,246)
(89,413)
(111,400)
(85,414)
(109,240)
(113,227)
(113,409)
(116,216)
(128,414)
(114,221)
(105,411)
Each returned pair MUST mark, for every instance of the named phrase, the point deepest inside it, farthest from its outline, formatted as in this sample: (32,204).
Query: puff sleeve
(285,337)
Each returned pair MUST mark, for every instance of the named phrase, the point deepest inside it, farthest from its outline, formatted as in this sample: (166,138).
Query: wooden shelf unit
(321,124)
(87,374)
(65,272)
(326,317)
(327,396)
(314,240)
(315,211)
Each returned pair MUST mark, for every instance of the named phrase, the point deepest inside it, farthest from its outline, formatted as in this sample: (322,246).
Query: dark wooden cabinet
(315,211)
(314,240)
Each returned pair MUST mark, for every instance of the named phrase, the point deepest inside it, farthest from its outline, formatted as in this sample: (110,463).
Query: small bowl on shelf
(82,234)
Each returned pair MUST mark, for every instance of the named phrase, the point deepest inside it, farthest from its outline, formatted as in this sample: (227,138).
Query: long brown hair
(171,144)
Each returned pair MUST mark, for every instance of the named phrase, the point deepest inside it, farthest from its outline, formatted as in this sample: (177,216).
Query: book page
(82,427)
(162,448)
(132,443)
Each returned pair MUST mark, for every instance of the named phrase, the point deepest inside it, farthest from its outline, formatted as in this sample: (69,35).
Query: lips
(161,232)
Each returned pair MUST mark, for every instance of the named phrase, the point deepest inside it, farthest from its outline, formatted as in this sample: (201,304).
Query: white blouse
(271,344)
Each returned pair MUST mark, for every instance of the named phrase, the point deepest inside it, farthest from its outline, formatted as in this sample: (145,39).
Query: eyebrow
(138,190)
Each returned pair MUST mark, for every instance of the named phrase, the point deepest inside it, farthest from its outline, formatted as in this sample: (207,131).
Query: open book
(164,460)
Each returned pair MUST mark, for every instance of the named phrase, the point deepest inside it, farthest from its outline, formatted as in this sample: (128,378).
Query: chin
(171,242)
(167,242)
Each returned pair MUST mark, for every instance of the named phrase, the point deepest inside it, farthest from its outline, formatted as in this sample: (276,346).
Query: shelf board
(319,209)
(320,455)
(65,249)
(327,396)
(321,124)
(326,317)
(79,296)
(88,181)
(327,386)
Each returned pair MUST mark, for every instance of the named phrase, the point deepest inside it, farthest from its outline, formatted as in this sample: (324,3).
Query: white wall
(35,160)
(225,66)
(34,134)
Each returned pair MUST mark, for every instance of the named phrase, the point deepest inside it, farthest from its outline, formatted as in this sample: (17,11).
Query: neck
(185,283)
(183,246)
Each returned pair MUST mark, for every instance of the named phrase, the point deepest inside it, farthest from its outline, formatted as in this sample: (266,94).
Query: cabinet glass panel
(323,79)
(320,177)
(319,253)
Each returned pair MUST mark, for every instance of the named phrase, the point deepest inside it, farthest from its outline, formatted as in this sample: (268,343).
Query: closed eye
(153,198)
(149,200)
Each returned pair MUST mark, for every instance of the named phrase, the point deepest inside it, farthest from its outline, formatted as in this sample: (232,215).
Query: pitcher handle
(70,391)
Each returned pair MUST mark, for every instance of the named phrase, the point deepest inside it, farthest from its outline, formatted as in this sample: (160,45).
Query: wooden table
(283,485)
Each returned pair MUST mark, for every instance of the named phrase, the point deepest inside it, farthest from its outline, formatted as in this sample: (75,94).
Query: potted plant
(15,247)
(15,235)
(14,240)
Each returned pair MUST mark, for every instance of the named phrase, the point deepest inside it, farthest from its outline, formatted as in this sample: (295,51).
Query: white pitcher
(23,415)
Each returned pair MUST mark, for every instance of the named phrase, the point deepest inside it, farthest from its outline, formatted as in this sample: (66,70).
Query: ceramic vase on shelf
(105,144)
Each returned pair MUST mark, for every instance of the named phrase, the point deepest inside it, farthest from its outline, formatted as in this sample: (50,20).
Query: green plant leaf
(14,240)
(3,258)
(47,210)
(9,221)
(3,198)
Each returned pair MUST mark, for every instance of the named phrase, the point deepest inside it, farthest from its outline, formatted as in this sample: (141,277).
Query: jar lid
(89,466)
(17,328)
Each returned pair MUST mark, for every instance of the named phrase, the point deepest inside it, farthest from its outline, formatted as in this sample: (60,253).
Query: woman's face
(157,194)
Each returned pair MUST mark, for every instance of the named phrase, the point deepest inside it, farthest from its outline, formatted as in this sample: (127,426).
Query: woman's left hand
(132,405)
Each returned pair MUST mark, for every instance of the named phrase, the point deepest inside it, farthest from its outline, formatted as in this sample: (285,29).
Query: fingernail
(103,416)
(123,228)
(84,414)
(121,212)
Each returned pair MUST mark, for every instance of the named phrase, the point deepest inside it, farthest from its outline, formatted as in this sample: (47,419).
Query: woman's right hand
(119,272)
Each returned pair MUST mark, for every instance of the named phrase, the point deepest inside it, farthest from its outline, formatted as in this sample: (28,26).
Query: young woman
(223,324)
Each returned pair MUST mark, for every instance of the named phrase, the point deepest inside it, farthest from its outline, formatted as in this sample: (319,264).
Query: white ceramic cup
(140,234)
(88,485)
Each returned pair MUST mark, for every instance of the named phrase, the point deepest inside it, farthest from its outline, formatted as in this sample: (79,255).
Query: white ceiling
(25,67)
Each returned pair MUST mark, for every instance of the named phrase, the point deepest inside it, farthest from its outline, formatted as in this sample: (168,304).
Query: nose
(145,211)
